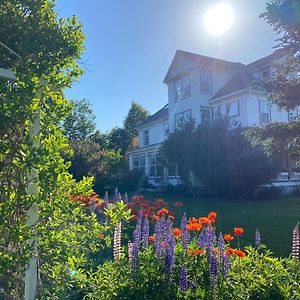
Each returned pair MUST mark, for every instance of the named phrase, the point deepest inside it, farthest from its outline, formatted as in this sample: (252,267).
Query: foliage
(49,50)
(253,273)
(136,115)
(80,124)
(221,159)
(283,89)
(86,159)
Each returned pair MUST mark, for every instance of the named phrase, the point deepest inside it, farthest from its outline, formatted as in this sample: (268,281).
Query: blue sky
(130,45)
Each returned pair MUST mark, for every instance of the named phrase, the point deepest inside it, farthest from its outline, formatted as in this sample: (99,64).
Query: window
(139,162)
(233,109)
(293,114)
(264,112)
(182,118)
(182,88)
(206,115)
(205,82)
(155,168)
(146,137)
(166,129)
(172,170)
(264,74)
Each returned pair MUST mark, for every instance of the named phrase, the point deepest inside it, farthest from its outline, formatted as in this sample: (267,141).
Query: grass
(275,219)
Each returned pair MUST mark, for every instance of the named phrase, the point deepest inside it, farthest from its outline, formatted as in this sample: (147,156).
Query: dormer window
(182,88)
(264,74)
(205,82)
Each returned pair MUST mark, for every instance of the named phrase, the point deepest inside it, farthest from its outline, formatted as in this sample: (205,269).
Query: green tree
(80,124)
(221,159)
(283,89)
(48,48)
(137,114)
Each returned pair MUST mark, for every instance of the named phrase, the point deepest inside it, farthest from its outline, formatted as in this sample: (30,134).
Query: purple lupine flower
(119,197)
(213,267)
(126,198)
(117,241)
(296,243)
(130,251)
(221,243)
(145,233)
(134,258)
(225,264)
(183,284)
(158,233)
(185,235)
(106,199)
(209,238)
(201,239)
(116,195)
(257,238)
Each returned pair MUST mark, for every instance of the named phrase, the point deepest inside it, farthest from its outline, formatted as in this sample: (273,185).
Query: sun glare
(218,19)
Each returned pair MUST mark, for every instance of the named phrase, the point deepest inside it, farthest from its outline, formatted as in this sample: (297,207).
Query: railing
(288,176)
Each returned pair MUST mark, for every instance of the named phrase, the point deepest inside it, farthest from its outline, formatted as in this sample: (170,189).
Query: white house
(202,88)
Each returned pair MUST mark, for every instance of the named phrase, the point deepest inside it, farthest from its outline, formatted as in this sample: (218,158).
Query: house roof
(205,60)
(240,81)
(262,62)
(161,114)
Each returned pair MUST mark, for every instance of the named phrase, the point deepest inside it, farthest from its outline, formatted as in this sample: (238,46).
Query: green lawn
(275,219)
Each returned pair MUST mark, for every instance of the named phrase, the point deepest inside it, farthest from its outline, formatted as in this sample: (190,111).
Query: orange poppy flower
(204,220)
(177,232)
(193,220)
(194,226)
(171,218)
(230,251)
(228,237)
(240,253)
(196,252)
(212,215)
(212,220)
(151,238)
(238,231)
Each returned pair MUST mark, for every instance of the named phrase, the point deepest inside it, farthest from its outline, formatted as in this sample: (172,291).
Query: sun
(218,19)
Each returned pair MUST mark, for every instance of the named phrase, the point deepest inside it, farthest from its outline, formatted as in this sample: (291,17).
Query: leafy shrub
(268,192)
(191,262)
(221,159)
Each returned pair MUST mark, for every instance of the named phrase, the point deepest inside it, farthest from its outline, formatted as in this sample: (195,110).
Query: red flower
(212,215)
(178,204)
(177,232)
(240,253)
(151,238)
(230,251)
(171,217)
(196,252)
(228,237)
(238,231)
(204,220)
(194,226)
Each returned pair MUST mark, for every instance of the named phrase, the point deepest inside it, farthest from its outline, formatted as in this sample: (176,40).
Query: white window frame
(268,106)
(176,170)
(155,165)
(180,91)
(139,159)
(261,71)
(229,105)
(181,117)
(206,108)
(202,90)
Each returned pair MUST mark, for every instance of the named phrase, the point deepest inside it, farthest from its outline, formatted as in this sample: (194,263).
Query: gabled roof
(161,114)
(260,63)
(238,82)
(205,60)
